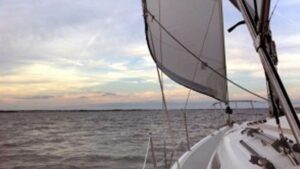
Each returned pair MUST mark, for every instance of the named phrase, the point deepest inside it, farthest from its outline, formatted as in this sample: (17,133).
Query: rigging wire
(161,80)
(194,76)
(274,8)
(185,120)
(147,152)
(160,74)
(164,103)
(276,109)
(200,60)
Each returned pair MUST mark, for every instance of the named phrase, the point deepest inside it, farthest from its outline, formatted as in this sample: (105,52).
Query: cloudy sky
(92,54)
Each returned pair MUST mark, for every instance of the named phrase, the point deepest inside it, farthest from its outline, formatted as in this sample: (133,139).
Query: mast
(258,33)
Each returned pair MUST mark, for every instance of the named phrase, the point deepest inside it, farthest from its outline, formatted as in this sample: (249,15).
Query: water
(98,140)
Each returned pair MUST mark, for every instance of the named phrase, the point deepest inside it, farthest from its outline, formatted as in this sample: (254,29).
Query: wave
(97,158)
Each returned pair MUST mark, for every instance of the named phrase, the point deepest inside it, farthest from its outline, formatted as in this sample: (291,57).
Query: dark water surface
(99,140)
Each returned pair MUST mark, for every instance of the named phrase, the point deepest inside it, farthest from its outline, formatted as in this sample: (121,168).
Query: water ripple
(90,140)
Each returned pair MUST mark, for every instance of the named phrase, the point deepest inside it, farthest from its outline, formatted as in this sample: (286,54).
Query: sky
(92,54)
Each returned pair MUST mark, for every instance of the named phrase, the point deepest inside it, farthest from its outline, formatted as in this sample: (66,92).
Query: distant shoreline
(70,110)
(111,110)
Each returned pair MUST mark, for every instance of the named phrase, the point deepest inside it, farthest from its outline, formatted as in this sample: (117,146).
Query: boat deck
(251,145)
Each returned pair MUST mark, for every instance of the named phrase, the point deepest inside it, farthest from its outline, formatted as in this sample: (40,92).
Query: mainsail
(186,40)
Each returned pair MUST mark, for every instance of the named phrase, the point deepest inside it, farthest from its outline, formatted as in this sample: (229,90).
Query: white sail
(172,25)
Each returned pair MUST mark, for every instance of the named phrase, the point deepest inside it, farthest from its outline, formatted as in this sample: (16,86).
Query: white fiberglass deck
(227,148)
(200,154)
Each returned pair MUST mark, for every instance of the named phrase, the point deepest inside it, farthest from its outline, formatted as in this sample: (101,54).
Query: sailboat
(186,41)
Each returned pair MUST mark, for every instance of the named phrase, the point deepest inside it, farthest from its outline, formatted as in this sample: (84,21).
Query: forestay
(174,29)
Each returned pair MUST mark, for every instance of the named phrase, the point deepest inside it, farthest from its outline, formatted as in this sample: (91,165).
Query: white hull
(233,147)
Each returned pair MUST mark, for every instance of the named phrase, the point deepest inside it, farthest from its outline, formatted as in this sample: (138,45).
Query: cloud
(84,53)
(39,97)
(289,3)
(66,29)
(109,94)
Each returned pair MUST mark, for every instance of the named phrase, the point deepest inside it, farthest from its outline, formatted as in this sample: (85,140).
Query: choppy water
(97,140)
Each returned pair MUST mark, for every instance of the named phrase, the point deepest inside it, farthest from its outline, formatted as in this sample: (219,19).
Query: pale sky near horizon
(92,54)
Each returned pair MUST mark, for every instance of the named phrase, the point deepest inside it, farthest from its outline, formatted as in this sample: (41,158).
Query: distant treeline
(108,110)
(49,111)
